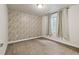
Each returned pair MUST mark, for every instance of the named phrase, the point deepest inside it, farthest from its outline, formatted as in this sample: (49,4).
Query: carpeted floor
(40,47)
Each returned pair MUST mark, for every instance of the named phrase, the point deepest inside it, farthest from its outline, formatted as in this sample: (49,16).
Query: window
(54,23)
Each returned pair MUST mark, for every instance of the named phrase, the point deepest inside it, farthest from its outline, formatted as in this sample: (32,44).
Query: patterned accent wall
(22,25)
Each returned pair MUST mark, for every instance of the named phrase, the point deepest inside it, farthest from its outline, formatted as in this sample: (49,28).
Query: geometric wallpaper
(23,25)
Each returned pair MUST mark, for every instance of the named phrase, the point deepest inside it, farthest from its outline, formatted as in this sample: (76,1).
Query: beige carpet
(40,47)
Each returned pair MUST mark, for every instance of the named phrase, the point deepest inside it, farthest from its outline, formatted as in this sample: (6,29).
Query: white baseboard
(11,42)
(63,41)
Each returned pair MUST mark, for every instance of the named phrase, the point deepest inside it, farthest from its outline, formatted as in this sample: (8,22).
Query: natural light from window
(54,23)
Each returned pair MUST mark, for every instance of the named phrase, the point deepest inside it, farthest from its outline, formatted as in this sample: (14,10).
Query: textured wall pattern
(22,25)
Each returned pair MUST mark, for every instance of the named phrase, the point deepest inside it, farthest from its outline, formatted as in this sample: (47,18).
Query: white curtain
(65,23)
(60,34)
(49,25)
(63,30)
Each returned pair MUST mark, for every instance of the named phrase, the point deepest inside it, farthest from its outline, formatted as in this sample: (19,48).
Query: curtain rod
(60,10)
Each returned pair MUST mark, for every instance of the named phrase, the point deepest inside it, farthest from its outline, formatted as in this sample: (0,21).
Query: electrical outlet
(1,44)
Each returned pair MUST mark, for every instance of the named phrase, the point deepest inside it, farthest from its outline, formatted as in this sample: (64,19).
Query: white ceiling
(32,8)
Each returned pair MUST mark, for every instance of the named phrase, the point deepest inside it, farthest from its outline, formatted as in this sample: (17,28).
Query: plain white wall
(73,14)
(3,28)
(44,25)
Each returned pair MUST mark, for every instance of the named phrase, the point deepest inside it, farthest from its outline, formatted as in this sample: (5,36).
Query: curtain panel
(63,30)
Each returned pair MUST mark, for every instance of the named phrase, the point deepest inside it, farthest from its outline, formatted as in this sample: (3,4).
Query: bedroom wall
(23,25)
(44,25)
(3,28)
(74,23)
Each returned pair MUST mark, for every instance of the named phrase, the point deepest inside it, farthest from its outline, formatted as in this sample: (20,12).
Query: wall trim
(63,41)
(16,41)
